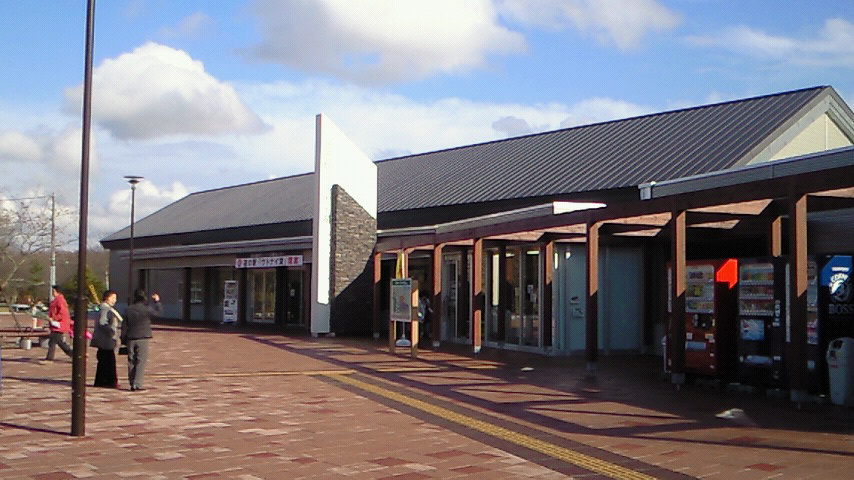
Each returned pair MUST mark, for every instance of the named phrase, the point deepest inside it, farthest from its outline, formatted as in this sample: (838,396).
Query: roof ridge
(247,184)
(606,122)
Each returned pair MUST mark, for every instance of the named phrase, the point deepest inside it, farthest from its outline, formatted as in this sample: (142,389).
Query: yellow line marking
(252,374)
(587,462)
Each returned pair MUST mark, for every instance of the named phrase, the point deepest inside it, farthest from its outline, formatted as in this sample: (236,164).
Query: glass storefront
(261,290)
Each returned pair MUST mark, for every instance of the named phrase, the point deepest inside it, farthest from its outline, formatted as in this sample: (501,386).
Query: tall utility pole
(52,245)
(78,370)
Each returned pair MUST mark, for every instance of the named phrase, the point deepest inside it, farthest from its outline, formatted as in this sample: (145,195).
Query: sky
(195,95)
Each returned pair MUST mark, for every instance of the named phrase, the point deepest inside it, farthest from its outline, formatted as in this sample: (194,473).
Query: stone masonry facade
(354,236)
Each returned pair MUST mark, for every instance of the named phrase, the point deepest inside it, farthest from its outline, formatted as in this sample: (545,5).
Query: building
(500,233)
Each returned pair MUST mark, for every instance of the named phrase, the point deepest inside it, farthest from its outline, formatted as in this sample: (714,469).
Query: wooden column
(547,253)
(798,295)
(591,318)
(436,317)
(378,273)
(677,318)
(775,237)
(504,292)
(478,297)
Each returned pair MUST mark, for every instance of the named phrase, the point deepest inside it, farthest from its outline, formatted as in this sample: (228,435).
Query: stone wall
(354,235)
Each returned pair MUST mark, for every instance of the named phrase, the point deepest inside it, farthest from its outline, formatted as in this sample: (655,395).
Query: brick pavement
(231,404)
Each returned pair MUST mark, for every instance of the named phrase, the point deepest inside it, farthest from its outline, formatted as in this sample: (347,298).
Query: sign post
(404,304)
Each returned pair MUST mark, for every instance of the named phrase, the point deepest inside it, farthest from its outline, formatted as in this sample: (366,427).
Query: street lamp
(132,180)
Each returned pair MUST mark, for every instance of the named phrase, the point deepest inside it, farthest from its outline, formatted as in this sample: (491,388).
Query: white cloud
(384,125)
(832,45)
(18,146)
(44,153)
(189,27)
(113,215)
(594,110)
(158,91)
(149,199)
(620,22)
(379,42)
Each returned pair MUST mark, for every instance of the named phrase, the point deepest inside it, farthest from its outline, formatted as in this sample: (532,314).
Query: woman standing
(106,339)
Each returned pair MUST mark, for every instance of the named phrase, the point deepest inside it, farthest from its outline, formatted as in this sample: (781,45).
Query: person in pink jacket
(60,324)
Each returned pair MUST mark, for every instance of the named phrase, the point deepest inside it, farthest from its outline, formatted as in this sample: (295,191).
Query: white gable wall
(822,134)
(826,126)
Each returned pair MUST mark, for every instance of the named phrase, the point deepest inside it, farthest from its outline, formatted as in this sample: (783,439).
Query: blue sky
(198,94)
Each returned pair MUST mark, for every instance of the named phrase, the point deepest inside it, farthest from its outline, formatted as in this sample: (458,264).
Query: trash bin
(840,366)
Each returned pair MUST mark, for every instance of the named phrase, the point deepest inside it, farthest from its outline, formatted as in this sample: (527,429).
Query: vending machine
(761,321)
(710,328)
(815,355)
(835,311)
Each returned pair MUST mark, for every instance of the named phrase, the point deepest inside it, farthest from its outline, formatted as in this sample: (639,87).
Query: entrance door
(450,299)
(262,294)
(295,310)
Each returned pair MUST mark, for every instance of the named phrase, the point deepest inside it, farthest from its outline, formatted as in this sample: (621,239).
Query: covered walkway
(770,201)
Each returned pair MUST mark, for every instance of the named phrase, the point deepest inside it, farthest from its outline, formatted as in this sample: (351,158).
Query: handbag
(123,350)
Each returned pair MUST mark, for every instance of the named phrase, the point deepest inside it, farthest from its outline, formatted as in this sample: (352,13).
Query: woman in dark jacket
(136,332)
(106,339)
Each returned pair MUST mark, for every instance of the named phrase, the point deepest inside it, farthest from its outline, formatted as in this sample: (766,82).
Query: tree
(92,282)
(25,231)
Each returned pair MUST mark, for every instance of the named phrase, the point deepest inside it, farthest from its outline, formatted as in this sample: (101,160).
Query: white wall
(337,161)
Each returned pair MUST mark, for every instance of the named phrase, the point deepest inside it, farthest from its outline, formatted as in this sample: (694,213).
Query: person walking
(60,324)
(106,340)
(136,332)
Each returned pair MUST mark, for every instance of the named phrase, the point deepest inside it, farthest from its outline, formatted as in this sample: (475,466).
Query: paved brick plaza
(230,404)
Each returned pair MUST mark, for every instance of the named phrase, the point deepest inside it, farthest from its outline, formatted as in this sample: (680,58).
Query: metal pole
(52,246)
(78,371)
(132,180)
(130,251)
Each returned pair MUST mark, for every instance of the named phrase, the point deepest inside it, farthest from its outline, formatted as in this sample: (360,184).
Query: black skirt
(105,374)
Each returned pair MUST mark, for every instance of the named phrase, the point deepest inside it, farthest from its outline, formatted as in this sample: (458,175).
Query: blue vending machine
(835,311)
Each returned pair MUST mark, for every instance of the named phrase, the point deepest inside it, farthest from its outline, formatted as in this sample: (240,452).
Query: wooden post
(677,319)
(776,237)
(798,295)
(591,344)
(477,294)
(547,253)
(378,256)
(436,318)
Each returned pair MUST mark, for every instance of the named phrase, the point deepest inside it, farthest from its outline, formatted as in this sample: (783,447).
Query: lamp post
(132,180)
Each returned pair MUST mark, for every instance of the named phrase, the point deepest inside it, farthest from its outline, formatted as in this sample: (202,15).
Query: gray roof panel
(273,201)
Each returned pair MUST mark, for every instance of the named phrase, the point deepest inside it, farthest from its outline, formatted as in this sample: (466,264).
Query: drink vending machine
(835,312)
(761,321)
(710,331)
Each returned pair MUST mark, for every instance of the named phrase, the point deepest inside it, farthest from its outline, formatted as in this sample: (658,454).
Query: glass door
(262,295)
(450,288)
(531,297)
(294,315)
(513,328)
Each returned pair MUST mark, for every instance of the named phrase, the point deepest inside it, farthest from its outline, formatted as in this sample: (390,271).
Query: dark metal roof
(280,200)
(616,154)
(602,156)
